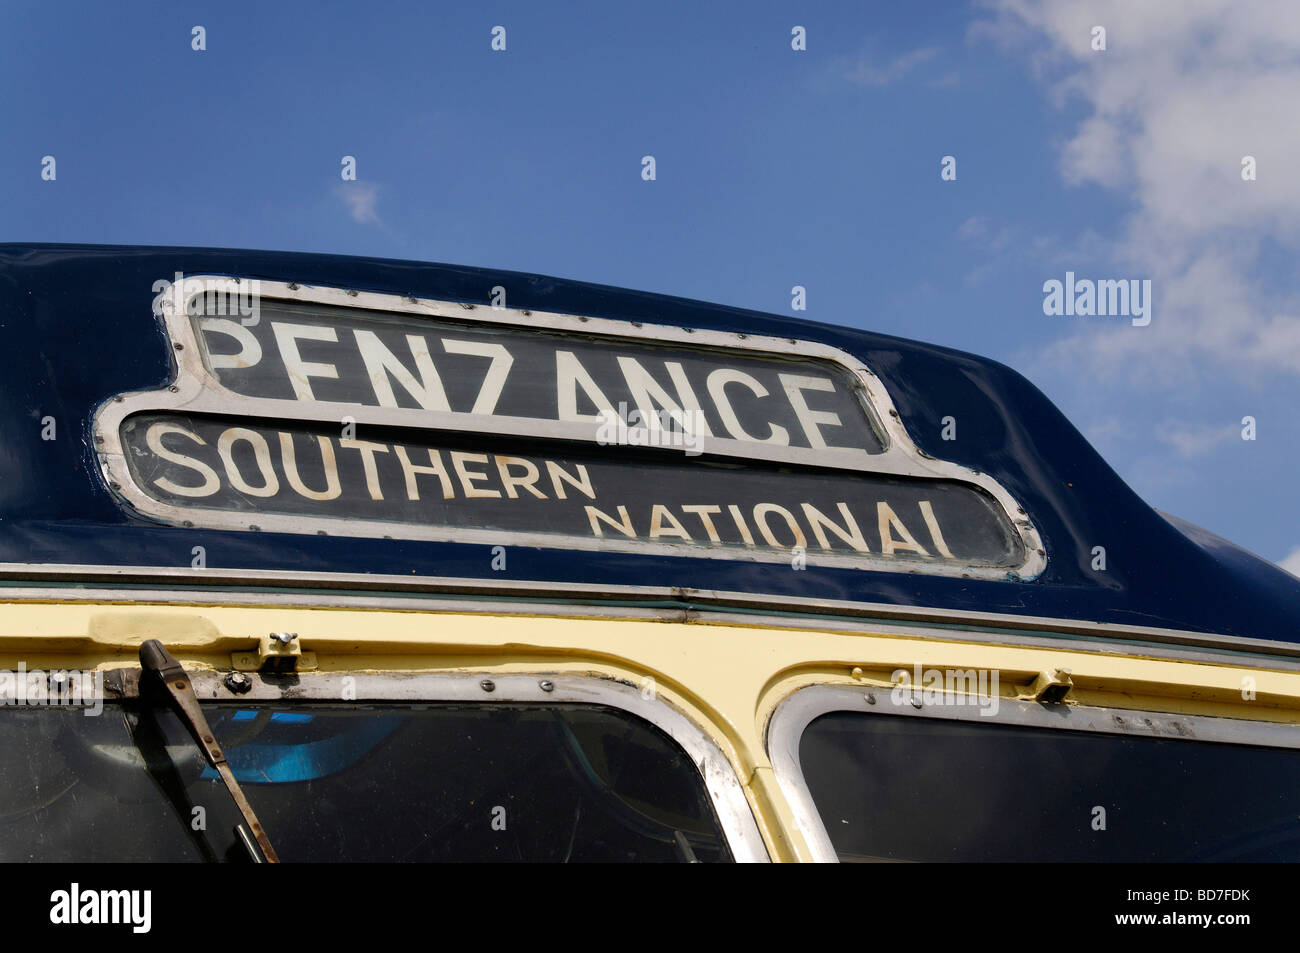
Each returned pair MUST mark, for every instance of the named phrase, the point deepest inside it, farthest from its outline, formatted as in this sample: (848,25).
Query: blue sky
(774,168)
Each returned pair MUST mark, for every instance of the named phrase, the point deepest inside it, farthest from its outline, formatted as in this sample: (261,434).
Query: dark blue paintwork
(76,328)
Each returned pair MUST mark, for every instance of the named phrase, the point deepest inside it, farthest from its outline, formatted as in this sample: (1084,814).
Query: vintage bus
(312,558)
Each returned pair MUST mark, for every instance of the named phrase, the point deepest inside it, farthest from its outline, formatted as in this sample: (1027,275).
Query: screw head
(546,685)
(487,685)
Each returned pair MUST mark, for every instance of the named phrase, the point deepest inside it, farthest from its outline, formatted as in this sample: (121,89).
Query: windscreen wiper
(156,660)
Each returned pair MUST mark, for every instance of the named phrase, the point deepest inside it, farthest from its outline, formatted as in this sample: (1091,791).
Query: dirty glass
(431,782)
(929,789)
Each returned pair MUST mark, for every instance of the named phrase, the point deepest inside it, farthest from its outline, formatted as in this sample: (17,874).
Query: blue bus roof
(79,328)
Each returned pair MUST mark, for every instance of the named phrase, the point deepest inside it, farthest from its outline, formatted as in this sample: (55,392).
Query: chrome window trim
(98,583)
(196,389)
(735,816)
(792,716)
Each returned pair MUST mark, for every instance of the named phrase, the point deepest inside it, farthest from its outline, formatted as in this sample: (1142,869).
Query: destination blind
(516,486)
(336,356)
(374,419)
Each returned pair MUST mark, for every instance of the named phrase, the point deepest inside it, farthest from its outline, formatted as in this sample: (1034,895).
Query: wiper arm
(155,659)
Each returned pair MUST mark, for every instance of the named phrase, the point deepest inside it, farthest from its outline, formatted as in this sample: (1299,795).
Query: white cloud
(1102,431)
(869,70)
(1292,563)
(1196,441)
(1184,90)
(360,199)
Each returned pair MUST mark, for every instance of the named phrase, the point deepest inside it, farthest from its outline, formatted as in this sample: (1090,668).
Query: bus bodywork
(527,569)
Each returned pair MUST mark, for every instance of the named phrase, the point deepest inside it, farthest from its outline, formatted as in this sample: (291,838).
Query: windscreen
(390,782)
(929,789)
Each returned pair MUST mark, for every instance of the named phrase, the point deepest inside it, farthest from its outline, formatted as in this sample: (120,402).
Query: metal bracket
(276,652)
(1050,687)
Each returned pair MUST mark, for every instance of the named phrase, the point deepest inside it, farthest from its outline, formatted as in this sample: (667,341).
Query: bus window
(901,788)
(373,782)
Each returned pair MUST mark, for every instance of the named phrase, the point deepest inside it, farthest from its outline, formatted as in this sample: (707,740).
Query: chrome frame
(197,390)
(71,583)
(735,816)
(792,716)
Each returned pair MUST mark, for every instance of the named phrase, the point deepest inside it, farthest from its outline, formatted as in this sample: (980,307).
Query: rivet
(856,673)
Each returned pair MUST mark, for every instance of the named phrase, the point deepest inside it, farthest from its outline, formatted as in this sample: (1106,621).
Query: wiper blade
(156,660)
